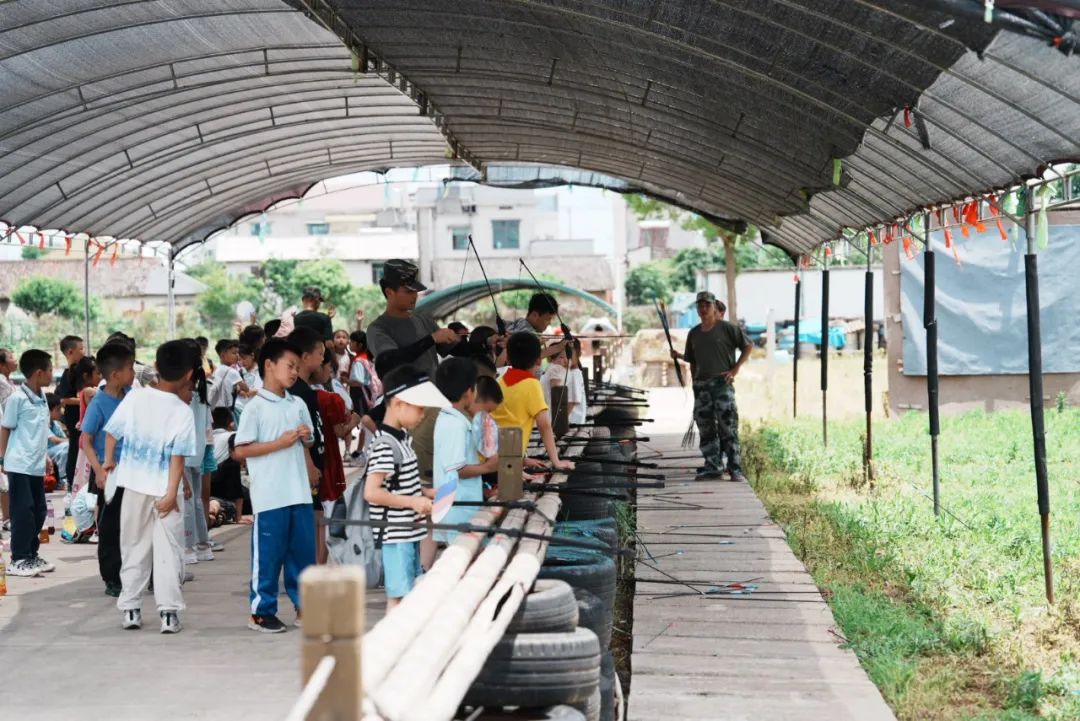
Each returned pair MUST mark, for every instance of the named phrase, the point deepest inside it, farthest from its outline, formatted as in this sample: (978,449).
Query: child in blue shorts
(392,485)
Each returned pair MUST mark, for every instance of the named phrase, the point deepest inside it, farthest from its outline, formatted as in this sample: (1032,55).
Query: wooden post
(598,367)
(560,415)
(585,377)
(332,599)
(511,484)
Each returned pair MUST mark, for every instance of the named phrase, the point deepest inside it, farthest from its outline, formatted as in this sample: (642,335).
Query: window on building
(260,229)
(506,233)
(377,272)
(547,203)
(318,229)
(460,238)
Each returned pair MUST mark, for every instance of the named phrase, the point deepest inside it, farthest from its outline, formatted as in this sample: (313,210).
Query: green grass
(947,615)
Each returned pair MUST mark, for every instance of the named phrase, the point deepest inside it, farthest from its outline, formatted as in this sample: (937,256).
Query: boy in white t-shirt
(274,430)
(226,383)
(158,431)
(575,387)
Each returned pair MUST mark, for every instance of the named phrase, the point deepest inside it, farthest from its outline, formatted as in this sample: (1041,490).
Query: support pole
(825,352)
(1035,388)
(930,324)
(333,600)
(795,348)
(172,291)
(560,418)
(511,484)
(86,292)
(868,368)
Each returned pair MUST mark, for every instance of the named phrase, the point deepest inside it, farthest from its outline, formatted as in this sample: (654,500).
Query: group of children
(472,406)
(154,440)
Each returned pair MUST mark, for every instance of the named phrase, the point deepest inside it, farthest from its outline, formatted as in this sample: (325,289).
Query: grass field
(947,615)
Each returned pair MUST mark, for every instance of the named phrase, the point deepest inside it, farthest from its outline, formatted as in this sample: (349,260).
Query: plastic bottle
(50,521)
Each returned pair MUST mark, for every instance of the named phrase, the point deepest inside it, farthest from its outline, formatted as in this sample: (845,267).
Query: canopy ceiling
(167,119)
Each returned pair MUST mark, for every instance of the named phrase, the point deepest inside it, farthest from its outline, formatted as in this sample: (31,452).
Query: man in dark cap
(405,336)
(312,317)
(710,350)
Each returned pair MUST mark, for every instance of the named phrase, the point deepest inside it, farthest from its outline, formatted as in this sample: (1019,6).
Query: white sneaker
(24,567)
(132,619)
(43,565)
(216,546)
(204,554)
(94,538)
(190,557)
(170,622)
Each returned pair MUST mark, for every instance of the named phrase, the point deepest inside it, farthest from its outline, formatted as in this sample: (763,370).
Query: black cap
(398,273)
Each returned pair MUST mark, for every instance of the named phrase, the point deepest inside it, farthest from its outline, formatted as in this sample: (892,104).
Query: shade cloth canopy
(168,119)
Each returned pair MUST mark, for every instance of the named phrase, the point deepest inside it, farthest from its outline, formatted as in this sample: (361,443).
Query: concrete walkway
(64,657)
(769,653)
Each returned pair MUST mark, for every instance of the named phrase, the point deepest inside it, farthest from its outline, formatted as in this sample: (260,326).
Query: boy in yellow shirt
(523,404)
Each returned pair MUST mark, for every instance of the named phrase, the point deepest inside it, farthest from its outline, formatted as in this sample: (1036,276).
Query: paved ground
(64,657)
(768,653)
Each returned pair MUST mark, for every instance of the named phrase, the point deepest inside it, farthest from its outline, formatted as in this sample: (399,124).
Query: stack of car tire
(554,662)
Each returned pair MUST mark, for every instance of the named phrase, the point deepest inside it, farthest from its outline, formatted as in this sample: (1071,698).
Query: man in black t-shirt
(73,348)
(312,351)
(711,349)
(312,317)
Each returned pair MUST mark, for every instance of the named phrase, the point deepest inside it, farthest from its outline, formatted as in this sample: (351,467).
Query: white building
(573,234)
(363,226)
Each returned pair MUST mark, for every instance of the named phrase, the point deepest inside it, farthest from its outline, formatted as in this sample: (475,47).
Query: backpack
(358,545)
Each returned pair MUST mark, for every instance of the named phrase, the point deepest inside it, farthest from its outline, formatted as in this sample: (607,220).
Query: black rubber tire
(551,713)
(593,615)
(601,535)
(549,608)
(588,570)
(581,507)
(539,669)
(591,709)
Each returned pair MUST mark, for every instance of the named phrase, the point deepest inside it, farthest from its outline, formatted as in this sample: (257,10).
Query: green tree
(32,252)
(646,282)
(39,295)
(730,241)
(217,304)
(326,274)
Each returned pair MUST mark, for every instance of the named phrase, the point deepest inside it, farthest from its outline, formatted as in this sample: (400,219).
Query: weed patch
(946,614)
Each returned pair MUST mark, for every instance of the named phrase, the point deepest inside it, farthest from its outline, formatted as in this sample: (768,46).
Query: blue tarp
(810,332)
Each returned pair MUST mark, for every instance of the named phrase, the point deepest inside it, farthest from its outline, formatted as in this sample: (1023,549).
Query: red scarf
(513,376)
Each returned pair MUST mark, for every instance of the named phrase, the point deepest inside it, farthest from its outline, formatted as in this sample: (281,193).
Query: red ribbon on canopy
(67,244)
(115,251)
(995,210)
(100,250)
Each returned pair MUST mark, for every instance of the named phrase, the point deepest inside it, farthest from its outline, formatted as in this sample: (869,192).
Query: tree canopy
(40,295)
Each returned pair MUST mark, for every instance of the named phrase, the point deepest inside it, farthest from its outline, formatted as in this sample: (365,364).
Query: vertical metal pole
(930,324)
(795,349)
(172,291)
(86,292)
(868,366)
(1035,387)
(825,351)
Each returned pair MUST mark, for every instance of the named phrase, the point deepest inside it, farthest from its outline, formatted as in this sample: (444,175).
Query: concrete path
(770,653)
(64,657)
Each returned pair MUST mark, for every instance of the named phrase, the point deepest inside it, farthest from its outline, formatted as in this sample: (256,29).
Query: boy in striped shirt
(392,486)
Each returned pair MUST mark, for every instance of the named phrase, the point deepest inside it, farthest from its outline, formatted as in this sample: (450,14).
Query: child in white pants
(158,431)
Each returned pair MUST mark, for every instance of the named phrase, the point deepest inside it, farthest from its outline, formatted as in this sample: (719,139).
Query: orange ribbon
(995,210)
(100,250)
(67,244)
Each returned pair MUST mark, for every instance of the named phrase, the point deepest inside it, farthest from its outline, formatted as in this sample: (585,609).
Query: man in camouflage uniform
(710,350)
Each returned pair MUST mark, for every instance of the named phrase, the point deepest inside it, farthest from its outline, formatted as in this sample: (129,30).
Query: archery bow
(661,311)
(565,328)
(500,326)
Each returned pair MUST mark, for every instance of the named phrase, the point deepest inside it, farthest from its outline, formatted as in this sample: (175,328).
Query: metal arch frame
(331,93)
(463,292)
(225,188)
(745,70)
(162,167)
